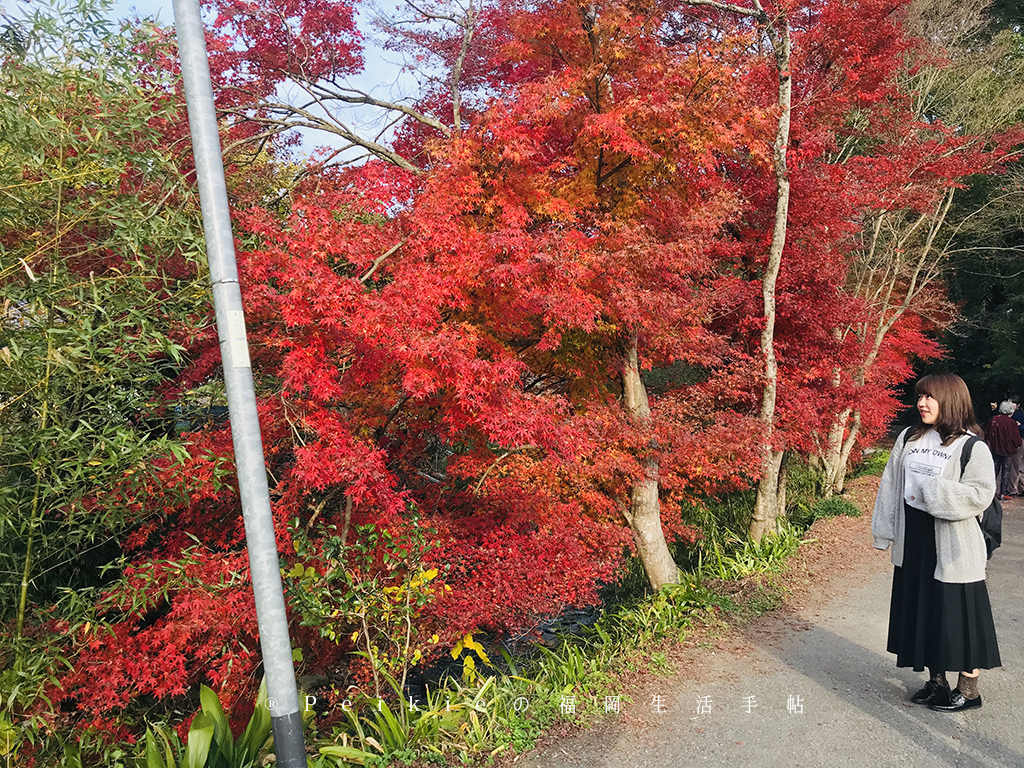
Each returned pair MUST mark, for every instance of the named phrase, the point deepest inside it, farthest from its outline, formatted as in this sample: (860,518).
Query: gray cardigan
(956,504)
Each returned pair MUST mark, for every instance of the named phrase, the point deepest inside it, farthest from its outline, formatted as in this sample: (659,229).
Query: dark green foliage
(1006,14)
(804,484)
(718,520)
(661,380)
(633,583)
(834,506)
(210,743)
(872,464)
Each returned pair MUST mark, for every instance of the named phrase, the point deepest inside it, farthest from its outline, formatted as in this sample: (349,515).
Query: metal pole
(283,697)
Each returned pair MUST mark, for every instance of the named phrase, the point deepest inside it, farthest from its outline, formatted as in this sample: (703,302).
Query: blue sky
(162,11)
(382,76)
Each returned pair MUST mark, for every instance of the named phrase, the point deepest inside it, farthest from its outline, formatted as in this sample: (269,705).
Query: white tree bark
(834,470)
(770,504)
(644,514)
(901,259)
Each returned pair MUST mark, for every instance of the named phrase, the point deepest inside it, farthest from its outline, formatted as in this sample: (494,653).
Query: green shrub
(872,463)
(719,520)
(29,668)
(835,506)
(741,556)
(801,515)
(210,743)
(804,484)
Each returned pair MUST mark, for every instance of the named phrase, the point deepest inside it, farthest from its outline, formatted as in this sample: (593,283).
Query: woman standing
(939,615)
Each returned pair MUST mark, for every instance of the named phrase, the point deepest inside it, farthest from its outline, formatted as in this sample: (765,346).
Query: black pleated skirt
(947,627)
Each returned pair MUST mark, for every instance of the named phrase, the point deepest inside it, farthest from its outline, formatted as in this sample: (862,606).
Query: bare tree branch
(314,121)
(758,13)
(380,259)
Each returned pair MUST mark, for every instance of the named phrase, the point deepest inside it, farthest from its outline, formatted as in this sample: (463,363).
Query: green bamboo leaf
(223,746)
(152,754)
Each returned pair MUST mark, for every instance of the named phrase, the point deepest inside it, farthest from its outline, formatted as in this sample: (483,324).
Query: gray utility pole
(283,697)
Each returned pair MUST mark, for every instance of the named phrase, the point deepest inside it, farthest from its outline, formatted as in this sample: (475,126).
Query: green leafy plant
(872,463)
(29,667)
(210,743)
(804,486)
(87,309)
(743,557)
(835,506)
(374,585)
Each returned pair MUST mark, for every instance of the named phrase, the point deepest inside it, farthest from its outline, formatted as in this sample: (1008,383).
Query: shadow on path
(856,708)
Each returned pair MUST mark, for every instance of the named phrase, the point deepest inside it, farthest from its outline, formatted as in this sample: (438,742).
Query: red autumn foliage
(453,341)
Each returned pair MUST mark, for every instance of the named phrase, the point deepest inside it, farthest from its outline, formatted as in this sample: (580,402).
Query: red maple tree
(528,335)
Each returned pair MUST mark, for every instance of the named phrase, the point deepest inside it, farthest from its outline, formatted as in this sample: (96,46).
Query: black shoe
(932,692)
(957,702)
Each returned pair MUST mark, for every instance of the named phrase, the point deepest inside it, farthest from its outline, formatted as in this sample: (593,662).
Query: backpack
(992,520)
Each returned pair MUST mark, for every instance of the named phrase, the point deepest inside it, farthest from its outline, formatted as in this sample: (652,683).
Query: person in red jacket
(1003,440)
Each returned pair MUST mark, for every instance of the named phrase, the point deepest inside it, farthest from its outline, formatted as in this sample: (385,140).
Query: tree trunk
(833,465)
(770,505)
(840,446)
(767,509)
(644,515)
(844,456)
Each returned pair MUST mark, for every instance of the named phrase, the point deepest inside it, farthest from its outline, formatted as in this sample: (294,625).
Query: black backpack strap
(965,454)
(991,520)
(902,436)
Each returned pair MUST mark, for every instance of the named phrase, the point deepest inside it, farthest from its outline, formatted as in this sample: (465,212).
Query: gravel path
(811,685)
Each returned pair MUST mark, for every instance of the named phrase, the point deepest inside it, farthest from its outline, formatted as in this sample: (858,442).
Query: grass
(872,463)
(835,506)
(472,724)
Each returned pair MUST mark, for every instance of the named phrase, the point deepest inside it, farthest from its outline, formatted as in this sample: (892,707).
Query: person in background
(1003,437)
(1017,468)
(928,510)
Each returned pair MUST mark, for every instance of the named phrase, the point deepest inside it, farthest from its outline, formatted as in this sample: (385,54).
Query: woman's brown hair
(956,412)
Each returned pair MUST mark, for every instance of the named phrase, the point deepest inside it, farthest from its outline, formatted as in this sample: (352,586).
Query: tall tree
(829,65)
(918,216)
(770,501)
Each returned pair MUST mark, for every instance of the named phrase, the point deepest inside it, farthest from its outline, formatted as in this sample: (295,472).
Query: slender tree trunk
(770,503)
(844,455)
(19,623)
(644,515)
(833,465)
(880,285)
(840,446)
